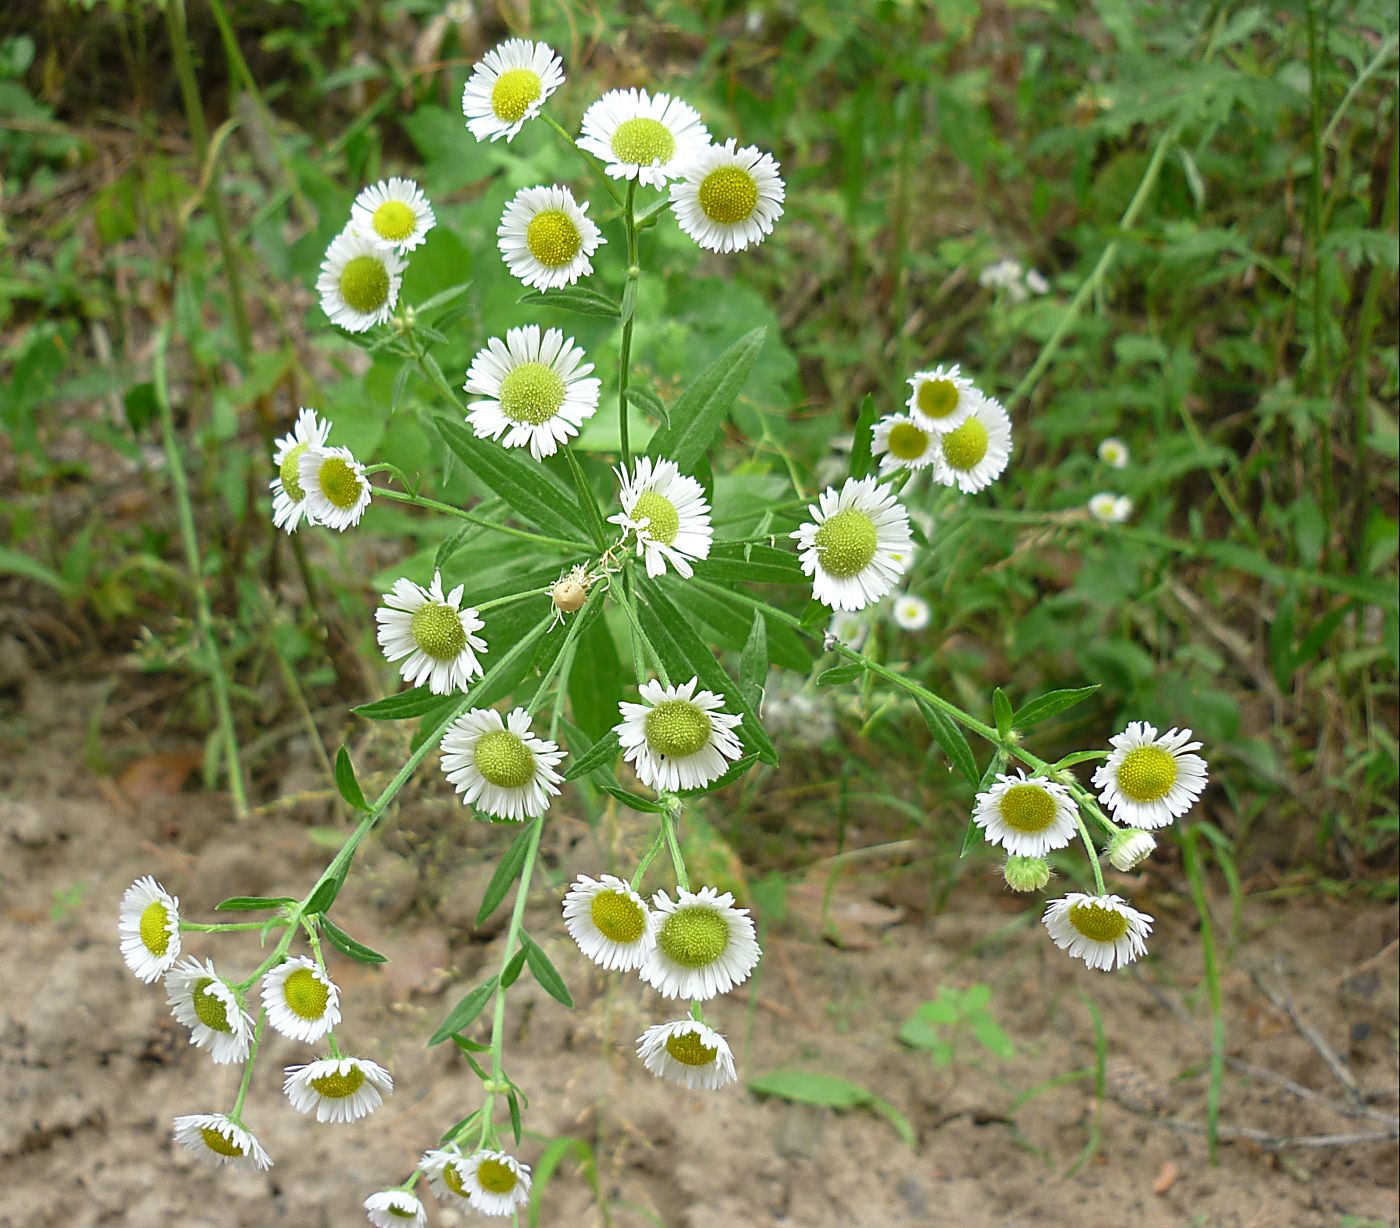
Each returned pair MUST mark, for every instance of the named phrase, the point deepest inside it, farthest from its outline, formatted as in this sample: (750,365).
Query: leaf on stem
(648,402)
(582,300)
(507,871)
(753,662)
(461,1015)
(345,780)
(544,971)
(252,903)
(1042,707)
(346,945)
(1001,708)
(951,739)
(697,416)
(829,1091)
(600,754)
(863,441)
(405,705)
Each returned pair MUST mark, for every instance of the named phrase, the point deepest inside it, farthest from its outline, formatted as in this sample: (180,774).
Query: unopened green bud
(1026,873)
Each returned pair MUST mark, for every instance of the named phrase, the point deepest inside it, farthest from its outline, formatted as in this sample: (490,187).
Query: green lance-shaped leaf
(646,805)
(346,945)
(582,300)
(507,871)
(252,903)
(1001,708)
(752,564)
(345,780)
(753,663)
(419,701)
(863,441)
(839,675)
(808,1087)
(951,739)
(461,1015)
(600,754)
(544,972)
(1042,707)
(696,417)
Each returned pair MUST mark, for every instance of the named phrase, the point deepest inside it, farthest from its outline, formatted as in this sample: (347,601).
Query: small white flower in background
(496,1184)
(610,922)
(219,1139)
(395,212)
(1129,848)
(148,925)
(1148,780)
(1026,816)
(1102,930)
(1036,283)
(910,613)
(446,1171)
(536,387)
(289,506)
(508,86)
(208,1006)
(704,945)
(1114,453)
(431,634)
(791,712)
(1026,873)
(335,487)
(849,627)
(941,399)
(689,1053)
(728,198)
(395,1209)
(499,766)
(901,443)
(1005,275)
(547,238)
(1110,508)
(975,454)
(647,137)
(667,513)
(677,737)
(301,1001)
(359,281)
(848,546)
(337,1089)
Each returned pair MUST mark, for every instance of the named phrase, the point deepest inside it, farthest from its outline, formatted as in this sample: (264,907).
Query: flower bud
(1026,873)
(1130,848)
(570,592)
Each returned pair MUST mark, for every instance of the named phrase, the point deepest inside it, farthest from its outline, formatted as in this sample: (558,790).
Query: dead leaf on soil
(163,773)
(1166,1178)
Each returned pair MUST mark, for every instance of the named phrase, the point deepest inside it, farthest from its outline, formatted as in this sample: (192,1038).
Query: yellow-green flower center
(290,472)
(1147,774)
(305,994)
(846,543)
(210,1009)
(452,1179)
(504,759)
(339,482)
(688,1049)
(693,937)
(938,398)
(728,195)
(219,1143)
(907,441)
(552,238)
(965,447)
(495,1176)
(618,917)
(643,142)
(677,728)
(155,928)
(364,283)
(394,221)
(437,629)
(1028,808)
(663,521)
(532,393)
(399,1212)
(1099,923)
(337,1086)
(514,91)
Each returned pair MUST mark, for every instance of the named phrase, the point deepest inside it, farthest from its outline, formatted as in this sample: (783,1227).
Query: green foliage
(832,1092)
(939,1024)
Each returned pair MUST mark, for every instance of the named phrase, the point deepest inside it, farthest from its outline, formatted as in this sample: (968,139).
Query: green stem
(649,856)
(228,927)
(624,360)
(642,647)
(237,1113)
(570,638)
(399,496)
(1191,863)
(1092,851)
(668,826)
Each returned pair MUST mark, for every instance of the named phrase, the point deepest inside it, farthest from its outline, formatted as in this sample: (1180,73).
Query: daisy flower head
(704,945)
(667,512)
(496,1184)
(508,86)
(337,1089)
(394,212)
(395,1209)
(849,628)
(1026,873)
(536,390)
(689,1053)
(1028,817)
(149,927)
(432,636)
(499,766)
(446,1171)
(301,1001)
(848,546)
(219,1139)
(728,198)
(902,443)
(289,507)
(610,922)
(940,399)
(359,281)
(1114,453)
(1101,930)
(1129,848)
(677,737)
(1110,508)
(207,1005)
(647,137)
(1148,780)
(975,454)
(547,238)
(910,613)
(335,487)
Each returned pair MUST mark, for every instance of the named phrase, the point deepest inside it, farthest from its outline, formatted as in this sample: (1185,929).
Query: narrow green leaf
(469,1046)
(346,945)
(1001,707)
(582,300)
(629,300)
(456,1129)
(697,416)
(829,1091)
(345,780)
(1080,756)
(863,440)
(513,969)
(751,564)
(839,675)
(648,402)
(464,1012)
(544,971)
(16,562)
(646,805)
(753,662)
(600,754)
(1042,707)
(324,895)
(728,611)
(951,739)
(597,527)
(442,298)
(252,903)
(507,870)
(405,705)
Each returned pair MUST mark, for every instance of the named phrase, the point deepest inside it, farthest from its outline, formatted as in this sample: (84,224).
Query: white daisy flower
(1026,816)
(219,1139)
(335,487)
(301,1001)
(433,637)
(1036,283)
(208,1006)
(728,198)
(974,455)
(395,212)
(359,281)
(667,512)
(289,506)
(496,1184)
(848,545)
(499,766)
(910,613)
(338,1089)
(149,927)
(1129,848)
(1006,275)
(508,86)
(677,738)
(447,1176)
(641,136)
(395,1209)
(689,1053)
(1110,508)
(704,945)
(902,443)
(941,399)
(1148,780)
(610,922)
(1114,453)
(1101,930)
(848,627)
(536,388)
(547,238)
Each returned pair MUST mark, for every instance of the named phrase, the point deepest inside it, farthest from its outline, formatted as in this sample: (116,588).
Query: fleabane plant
(624,547)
